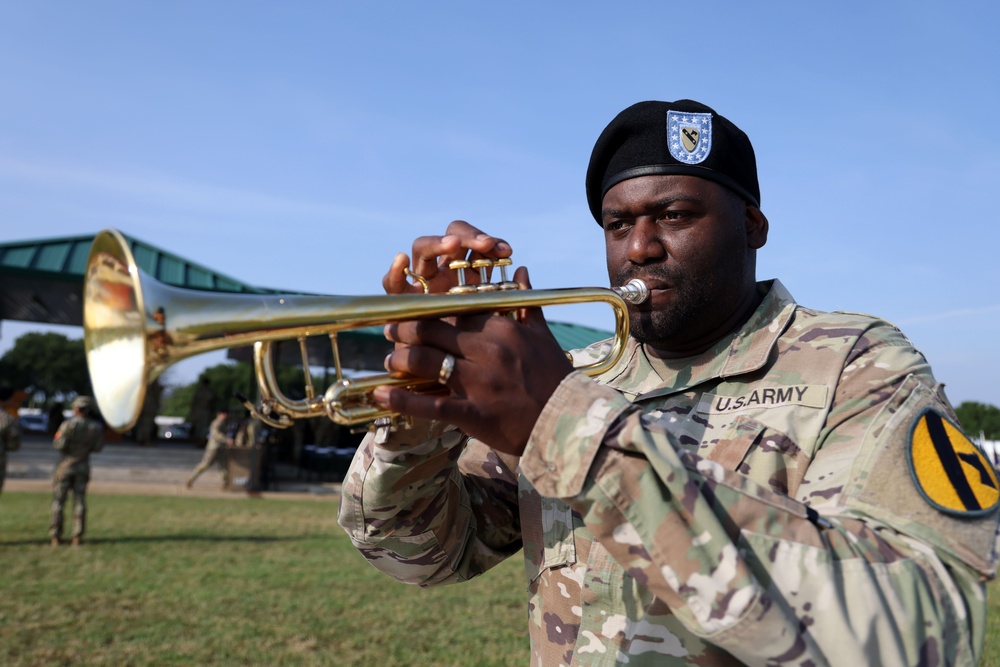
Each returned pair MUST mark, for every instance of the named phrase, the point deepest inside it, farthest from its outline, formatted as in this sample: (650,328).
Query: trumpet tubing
(135,327)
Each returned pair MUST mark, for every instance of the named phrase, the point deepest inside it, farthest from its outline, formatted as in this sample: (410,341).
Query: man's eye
(674,215)
(614,225)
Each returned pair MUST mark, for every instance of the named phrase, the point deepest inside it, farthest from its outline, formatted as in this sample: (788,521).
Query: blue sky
(299,145)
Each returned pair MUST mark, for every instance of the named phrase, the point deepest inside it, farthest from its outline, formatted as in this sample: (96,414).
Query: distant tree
(224,378)
(46,365)
(979,418)
(176,399)
(229,378)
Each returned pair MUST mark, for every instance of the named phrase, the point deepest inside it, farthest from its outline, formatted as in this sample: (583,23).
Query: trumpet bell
(114,330)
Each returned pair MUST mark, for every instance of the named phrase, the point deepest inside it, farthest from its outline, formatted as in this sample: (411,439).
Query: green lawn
(188,581)
(991,649)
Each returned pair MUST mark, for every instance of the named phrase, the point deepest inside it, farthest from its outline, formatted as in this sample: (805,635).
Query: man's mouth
(659,291)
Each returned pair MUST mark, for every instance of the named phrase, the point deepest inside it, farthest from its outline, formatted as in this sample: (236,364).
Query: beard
(698,305)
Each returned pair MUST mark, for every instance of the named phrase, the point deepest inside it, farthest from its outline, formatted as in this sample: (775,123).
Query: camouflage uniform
(77,438)
(215,452)
(755,504)
(10,440)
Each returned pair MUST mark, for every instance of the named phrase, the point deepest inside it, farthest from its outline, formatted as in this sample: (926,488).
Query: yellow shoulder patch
(950,472)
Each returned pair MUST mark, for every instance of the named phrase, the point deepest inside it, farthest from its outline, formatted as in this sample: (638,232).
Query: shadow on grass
(218,539)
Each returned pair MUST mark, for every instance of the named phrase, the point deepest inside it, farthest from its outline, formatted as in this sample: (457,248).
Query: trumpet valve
(483,266)
(459,266)
(505,282)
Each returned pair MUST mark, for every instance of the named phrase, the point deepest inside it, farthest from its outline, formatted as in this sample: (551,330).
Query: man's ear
(756,223)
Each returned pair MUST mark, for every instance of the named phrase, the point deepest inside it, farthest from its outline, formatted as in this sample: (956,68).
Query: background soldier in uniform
(77,438)
(754,482)
(215,450)
(10,432)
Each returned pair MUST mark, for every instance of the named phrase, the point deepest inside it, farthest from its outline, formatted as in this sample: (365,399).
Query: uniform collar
(743,351)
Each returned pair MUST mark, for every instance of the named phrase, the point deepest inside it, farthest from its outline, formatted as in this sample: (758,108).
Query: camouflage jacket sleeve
(429,506)
(765,576)
(59,439)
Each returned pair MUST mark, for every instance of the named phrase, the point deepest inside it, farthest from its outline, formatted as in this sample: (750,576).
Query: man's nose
(645,244)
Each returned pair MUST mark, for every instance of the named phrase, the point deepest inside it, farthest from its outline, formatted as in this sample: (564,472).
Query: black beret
(683,137)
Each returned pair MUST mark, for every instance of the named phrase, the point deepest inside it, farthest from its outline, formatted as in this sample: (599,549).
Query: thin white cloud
(168,192)
(951,314)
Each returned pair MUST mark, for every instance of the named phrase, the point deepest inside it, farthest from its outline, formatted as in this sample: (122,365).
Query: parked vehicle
(33,423)
(179,431)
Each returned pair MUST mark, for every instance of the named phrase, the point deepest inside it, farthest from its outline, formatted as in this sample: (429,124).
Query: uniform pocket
(762,453)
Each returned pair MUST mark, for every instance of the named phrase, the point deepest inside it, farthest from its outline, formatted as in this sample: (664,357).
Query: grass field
(190,581)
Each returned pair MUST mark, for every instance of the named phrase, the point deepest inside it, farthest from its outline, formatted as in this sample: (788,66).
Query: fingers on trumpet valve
(471,275)
(483,267)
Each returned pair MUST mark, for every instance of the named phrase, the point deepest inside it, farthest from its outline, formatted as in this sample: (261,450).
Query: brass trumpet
(135,327)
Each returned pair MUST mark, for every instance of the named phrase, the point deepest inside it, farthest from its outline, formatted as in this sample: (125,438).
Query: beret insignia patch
(950,472)
(689,136)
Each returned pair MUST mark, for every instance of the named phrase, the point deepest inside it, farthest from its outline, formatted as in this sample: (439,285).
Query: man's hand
(432,254)
(504,373)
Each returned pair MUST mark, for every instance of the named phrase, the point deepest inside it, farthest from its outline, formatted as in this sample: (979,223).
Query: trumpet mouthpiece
(634,291)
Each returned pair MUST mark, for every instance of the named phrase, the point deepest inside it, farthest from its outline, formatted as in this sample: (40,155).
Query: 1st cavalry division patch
(950,471)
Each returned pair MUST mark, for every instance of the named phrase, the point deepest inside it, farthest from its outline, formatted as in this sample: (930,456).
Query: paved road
(159,469)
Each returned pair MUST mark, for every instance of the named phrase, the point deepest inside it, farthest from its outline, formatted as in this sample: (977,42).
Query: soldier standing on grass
(77,438)
(215,450)
(10,433)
